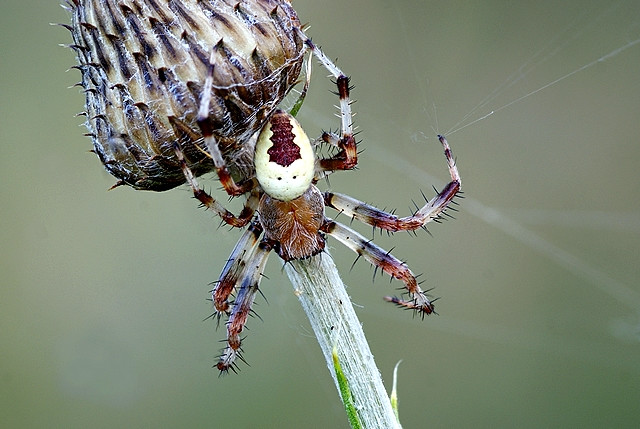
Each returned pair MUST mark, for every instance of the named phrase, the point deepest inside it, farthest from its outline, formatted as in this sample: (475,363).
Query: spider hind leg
(233,269)
(378,257)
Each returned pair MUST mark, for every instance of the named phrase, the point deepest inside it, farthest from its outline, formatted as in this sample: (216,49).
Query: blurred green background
(103,293)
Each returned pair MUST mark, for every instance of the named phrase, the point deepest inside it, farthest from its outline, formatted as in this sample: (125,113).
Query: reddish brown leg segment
(211,203)
(206,126)
(234,268)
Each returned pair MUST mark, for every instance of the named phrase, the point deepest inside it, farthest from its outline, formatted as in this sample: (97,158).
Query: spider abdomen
(284,158)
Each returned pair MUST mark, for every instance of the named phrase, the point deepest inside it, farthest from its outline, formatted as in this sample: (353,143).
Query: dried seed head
(144,64)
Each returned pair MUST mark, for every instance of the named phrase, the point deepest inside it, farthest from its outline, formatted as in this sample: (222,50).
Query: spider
(284,210)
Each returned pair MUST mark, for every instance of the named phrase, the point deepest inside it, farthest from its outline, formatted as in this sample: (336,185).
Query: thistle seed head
(144,64)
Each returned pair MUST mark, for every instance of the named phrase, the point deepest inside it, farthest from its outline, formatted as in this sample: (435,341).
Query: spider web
(587,41)
(588,310)
(597,38)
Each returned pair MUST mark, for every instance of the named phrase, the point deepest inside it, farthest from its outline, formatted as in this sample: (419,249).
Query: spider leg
(331,139)
(347,156)
(379,257)
(211,203)
(207,127)
(247,290)
(234,267)
(390,222)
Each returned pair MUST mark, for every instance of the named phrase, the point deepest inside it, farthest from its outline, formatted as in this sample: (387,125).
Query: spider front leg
(249,281)
(211,203)
(390,222)
(384,260)
(207,127)
(347,156)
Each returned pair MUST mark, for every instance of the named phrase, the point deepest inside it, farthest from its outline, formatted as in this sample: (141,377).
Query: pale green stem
(394,392)
(324,298)
(345,392)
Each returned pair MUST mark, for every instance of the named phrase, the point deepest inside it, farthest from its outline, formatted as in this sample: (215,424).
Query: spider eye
(284,158)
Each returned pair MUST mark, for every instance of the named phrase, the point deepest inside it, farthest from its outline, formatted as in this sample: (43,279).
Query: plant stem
(324,298)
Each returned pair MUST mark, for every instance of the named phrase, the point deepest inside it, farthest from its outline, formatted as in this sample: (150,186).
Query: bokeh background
(103,293)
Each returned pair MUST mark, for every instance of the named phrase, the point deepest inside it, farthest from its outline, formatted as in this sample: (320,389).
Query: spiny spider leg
(347,157)
(249,282)
(390,222)
(206,126)
(211,203)
(331,139)
(234,268)
(379,257)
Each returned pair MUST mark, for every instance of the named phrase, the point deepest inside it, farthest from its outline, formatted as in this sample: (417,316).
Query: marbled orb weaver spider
(290,210)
